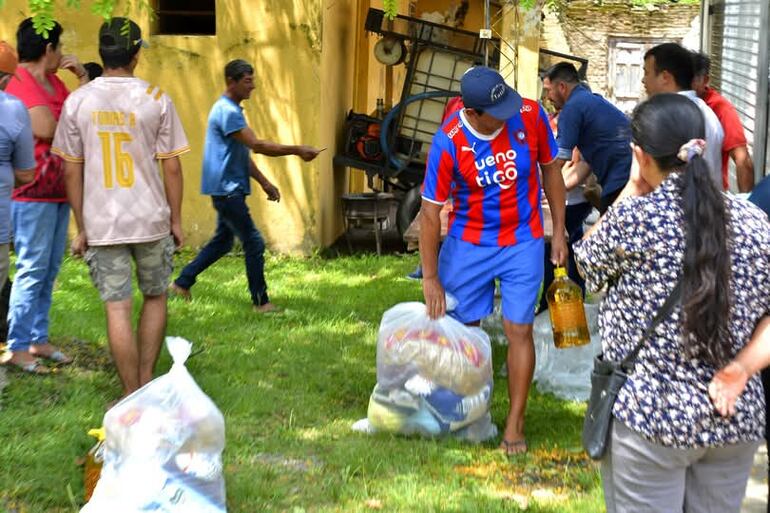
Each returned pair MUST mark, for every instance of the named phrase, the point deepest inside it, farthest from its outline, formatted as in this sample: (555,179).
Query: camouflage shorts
(110,268)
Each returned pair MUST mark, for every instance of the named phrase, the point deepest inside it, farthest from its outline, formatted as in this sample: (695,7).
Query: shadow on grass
(290,386)
(314,392)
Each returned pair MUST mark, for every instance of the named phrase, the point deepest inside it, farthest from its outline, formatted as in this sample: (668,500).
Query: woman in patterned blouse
(671,447)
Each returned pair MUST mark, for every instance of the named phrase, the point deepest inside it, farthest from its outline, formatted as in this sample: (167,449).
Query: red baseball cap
(9,59)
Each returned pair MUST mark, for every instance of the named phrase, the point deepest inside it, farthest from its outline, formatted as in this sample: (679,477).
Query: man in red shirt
(734,144)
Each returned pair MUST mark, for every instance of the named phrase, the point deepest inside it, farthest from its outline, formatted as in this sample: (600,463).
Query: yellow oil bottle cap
(560,272)
(99,434)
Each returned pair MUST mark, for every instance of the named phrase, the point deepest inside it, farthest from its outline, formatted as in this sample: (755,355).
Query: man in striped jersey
(488,157)
(112,134)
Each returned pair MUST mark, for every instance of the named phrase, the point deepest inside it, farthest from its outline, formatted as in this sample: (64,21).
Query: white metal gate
(741,66)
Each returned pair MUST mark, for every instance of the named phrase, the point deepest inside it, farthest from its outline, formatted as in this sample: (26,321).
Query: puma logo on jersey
(472,148)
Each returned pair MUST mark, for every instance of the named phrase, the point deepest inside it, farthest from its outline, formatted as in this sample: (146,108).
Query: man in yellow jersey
(112,134)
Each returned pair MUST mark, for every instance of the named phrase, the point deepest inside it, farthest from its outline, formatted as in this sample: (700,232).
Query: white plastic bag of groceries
(163,447)
(566,373)
(445,351)
(434,377)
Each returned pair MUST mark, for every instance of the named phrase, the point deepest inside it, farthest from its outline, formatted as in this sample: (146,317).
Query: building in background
(313,63)
(301,52)
(614,37)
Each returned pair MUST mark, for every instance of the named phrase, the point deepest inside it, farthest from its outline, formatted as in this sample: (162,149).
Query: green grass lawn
(289,387)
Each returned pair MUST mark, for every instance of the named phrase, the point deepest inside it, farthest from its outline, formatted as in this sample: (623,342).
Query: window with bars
(186,17)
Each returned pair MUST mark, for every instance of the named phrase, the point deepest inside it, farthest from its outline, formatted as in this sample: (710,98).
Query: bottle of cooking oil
(568,316)
(94,461)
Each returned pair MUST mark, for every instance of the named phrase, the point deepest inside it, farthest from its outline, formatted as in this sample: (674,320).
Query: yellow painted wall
(302,52)
(376,75)
(338,62)
(370,78)
(522,33)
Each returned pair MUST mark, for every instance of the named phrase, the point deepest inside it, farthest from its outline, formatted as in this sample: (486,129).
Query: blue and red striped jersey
(494,180)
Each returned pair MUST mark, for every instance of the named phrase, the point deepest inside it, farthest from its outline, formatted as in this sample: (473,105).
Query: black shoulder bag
(608,377)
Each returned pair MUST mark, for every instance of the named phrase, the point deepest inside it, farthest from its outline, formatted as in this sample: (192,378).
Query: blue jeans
(39,240)
(233,219)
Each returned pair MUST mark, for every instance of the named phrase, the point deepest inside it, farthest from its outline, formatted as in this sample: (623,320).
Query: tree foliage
(390,7)
(560,4)
(43,11)
(633,3)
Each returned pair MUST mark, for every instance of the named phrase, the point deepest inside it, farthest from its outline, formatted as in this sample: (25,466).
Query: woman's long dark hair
(660,126)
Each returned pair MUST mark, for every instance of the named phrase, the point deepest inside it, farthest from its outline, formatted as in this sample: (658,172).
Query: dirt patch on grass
(292,464)
(3,383)
(542,473)
(7,506)
(86,355)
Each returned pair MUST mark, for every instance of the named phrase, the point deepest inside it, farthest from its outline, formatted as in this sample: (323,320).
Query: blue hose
(392,159)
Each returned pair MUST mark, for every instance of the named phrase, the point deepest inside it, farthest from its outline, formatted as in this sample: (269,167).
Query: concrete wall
(583,29)
(302,51)
(341,34)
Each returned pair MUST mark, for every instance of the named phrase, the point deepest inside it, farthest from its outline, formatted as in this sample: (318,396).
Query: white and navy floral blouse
(638,249)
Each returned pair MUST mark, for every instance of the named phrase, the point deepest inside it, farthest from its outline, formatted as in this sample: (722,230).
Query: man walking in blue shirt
(597,128)
(227,168)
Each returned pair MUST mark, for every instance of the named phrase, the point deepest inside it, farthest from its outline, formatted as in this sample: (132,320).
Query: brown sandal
(268,308)
(36,368)
(175,290)
(56,356)
(513,448)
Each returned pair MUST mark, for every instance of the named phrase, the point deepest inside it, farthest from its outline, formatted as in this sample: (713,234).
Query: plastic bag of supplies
(434,377)
(566,373)
(163,447)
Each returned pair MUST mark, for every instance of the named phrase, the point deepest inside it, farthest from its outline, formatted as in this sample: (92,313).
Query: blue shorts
(468,272)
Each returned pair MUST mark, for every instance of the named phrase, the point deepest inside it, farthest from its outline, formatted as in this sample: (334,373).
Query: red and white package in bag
(163,447)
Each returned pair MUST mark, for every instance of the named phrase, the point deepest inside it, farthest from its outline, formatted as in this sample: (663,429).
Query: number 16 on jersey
(117,162)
